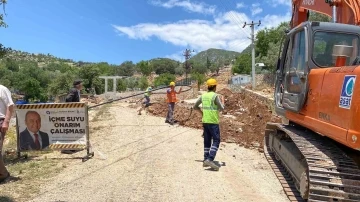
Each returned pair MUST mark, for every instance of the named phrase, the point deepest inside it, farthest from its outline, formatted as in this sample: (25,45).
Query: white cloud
(240,5)
(176,56)
(196,7)
(224,31)
(275,3)
(255,9)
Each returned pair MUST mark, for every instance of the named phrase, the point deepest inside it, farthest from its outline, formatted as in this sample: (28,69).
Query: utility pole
(187,54)
(252,24)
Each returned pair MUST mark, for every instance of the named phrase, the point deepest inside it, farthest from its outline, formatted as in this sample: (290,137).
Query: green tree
(3,50)
(126,68)
(179,70)
(2,22)
(208,63)
(270,60)
(164,79)
(89,73)
(121,85)
(213,67)
(199,68)
(219,64)
(314,16)
(242,64)
(106,69)
(131,82)
(144,67)
(61,84)
(200,78)
(164,65)
(143,83)
(11,65)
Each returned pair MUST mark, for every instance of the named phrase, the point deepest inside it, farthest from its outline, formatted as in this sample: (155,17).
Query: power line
(252,25)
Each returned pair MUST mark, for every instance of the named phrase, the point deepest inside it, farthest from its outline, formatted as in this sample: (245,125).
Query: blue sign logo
(347,91)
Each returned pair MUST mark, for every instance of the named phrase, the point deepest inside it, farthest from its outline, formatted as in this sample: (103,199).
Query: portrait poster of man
(32,138)
(40,128)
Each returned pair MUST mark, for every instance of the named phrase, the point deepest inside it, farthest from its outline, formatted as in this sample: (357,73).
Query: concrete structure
(114,83)
(241,79)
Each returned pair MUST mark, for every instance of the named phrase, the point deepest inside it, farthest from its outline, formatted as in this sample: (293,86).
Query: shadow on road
(6,199)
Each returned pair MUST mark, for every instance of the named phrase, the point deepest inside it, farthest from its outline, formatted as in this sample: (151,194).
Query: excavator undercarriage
(310,167)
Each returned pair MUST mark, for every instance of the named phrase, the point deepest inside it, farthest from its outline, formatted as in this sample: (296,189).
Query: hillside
(214,55)
(39,58)
(247,50)
(43,76)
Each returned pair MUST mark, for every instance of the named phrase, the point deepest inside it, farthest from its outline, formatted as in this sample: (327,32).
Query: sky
(115,31)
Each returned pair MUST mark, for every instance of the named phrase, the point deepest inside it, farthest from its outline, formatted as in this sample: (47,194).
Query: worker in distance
(147,94)
(171,100)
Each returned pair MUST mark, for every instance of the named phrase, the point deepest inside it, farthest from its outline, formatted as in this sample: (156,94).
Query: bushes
(164,79)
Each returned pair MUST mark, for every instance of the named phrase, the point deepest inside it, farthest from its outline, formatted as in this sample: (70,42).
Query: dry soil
(140,158)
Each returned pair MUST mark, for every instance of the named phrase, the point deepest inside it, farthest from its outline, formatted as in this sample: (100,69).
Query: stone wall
(267,79)
(256,95)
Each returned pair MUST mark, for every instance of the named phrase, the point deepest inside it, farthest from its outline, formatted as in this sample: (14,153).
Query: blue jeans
(211,135)
(147,101)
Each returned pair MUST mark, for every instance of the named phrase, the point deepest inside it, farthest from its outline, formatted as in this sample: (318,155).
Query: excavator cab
(309,46)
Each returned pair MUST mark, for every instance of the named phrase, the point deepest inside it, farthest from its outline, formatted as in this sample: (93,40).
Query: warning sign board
(52,126)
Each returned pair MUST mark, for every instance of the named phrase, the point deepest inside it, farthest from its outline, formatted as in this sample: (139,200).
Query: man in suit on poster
(32,138)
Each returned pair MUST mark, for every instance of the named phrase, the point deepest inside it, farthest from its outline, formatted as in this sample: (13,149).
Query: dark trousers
(147,101)
(211,140)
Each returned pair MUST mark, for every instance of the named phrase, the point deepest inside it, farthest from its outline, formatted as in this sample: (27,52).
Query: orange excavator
(315,150)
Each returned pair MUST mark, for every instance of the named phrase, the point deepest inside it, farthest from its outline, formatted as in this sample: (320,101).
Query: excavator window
(324,43)
(295,62)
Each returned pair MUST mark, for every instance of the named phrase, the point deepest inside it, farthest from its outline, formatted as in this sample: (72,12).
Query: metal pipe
(334,13)
(122,98)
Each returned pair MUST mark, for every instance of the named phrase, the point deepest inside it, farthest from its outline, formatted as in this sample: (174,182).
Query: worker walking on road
(147,94)
(171,99)
(211,105)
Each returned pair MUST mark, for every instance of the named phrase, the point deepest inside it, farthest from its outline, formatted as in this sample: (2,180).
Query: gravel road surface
(140,158)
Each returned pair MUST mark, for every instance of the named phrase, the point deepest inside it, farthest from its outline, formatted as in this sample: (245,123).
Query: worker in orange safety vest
(171,99)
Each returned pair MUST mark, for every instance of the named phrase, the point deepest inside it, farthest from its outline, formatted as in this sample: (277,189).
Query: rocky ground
(140,158)
(243,121)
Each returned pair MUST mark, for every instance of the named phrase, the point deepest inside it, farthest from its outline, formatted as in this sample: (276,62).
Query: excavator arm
(341,11)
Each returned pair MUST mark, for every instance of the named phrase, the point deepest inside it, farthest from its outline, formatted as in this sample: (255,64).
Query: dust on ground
(145,159)
(243,121)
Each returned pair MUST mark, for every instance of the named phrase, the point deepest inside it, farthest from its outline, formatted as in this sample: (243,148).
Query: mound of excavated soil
(243,121)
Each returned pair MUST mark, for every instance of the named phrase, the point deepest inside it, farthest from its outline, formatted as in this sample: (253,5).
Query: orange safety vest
(171,97)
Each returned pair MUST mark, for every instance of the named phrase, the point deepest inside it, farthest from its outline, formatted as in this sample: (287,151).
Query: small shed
(241,79)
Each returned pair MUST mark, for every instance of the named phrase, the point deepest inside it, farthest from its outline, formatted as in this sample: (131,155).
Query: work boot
(211,164)
(204,164)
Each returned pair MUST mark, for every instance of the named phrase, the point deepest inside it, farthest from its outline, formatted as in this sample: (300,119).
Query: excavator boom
(341,11)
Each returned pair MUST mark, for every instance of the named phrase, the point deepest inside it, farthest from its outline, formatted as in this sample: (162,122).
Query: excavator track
(331,174)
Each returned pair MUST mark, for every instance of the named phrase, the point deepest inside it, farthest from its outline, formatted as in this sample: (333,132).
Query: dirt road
(143,159)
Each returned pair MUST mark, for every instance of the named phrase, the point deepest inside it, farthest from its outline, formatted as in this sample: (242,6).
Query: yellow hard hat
(172,83)
(211,82)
